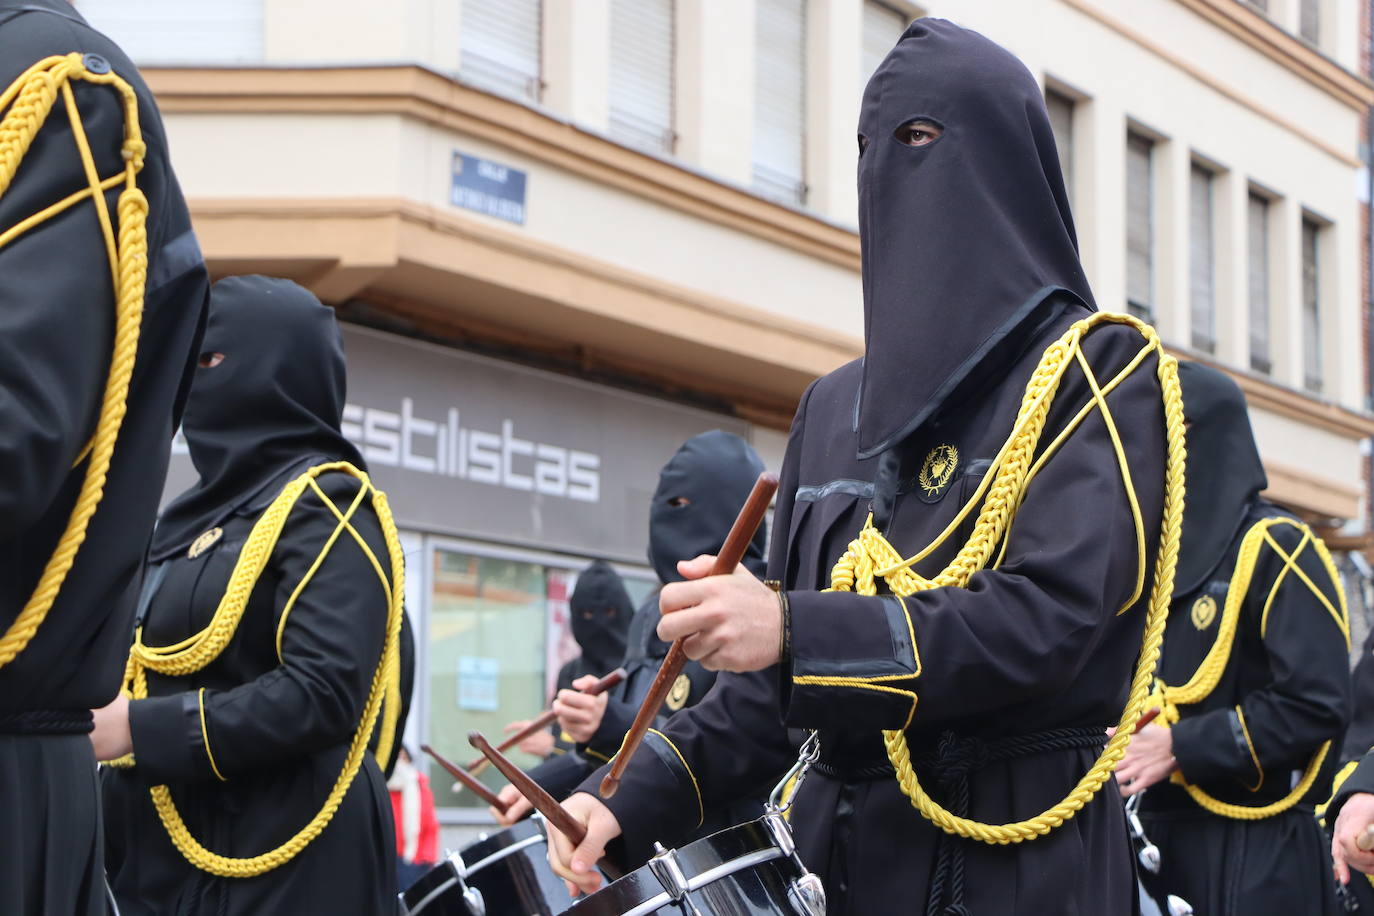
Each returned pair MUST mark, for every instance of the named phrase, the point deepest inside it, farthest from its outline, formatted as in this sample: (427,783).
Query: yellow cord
(194,653)
(870,557)
(26,104)
(1208,674)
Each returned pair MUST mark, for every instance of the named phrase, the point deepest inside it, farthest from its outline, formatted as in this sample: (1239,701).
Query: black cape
(970,272)
(58,317)
(250,745)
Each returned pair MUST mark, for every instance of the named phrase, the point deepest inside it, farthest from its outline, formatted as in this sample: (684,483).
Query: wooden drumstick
(731,552)
(1365,840)
(1145,720)
(545,719)
(467,780)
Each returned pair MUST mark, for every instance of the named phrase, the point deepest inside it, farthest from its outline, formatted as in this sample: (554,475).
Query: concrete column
(1172,165)
(1230,208)
(576,60)
(1100,214)
(834,33)
(715,86)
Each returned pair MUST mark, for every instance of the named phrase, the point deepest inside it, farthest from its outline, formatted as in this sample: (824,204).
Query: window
(1311,305)
(780,99)
(174,31)
(1309,21)
(641,73)
(1261,5)
(1140,230)
(1060,107)
(499,44)
(1257,269)
(1201,259)
(882,27)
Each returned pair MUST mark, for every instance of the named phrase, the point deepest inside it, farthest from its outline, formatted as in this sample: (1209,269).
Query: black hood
(965,239)
(700,491)
(1224,472)
(600,610)
(276,401)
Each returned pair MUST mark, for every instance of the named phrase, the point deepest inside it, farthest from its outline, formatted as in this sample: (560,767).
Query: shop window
(780,99)
(499,46)
(641,73)
(1257,270)
(1140,230)
(1202,259)
(178,32)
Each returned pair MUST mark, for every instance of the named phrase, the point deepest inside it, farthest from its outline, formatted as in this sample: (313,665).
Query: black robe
(1033,646)
(57,304)
(278,730)
(1292,689)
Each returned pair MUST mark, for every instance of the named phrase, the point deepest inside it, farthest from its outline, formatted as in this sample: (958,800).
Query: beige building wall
(343,117)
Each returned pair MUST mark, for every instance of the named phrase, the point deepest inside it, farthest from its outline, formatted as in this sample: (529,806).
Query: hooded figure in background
(1280,706)
(700,492)
(57,334)
(1001,678)
(248,742)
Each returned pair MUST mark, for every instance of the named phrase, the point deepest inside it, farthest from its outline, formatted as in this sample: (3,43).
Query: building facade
(567,234)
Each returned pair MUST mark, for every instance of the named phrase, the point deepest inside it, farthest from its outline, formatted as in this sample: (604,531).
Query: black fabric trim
(880,666)
(178,257)
(47,722)
(957,377)
(861,489)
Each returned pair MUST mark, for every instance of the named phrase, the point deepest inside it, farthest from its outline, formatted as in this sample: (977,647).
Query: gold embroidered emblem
(677,697)
(204,542)
(938,470)
(1204,612)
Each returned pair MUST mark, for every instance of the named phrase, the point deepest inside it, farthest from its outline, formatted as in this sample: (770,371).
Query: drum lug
(666,868)
(1179,907)
(807,895)
(477,906)
(780,833)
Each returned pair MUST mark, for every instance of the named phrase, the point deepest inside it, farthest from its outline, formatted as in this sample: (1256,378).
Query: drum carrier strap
(199,650)
(26,104)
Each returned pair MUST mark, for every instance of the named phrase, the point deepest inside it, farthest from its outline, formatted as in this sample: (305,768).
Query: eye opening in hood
(924,125)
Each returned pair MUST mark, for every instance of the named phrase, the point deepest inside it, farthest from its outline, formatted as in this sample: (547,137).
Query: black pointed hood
(1224,472)
(964,240)
(275,403)
(600,610)
(700,492)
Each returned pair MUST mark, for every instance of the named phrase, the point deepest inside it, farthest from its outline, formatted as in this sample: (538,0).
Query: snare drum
(504,874)
(749,870)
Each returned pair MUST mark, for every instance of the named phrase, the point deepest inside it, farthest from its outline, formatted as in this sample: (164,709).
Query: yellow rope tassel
(195,652)
(26,104)
(1208,674)
(871,557)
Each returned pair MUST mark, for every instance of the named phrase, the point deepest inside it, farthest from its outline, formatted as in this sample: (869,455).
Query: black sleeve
(1361,780)
(560,774)
(1307,701)
(330,647)
(1024,629)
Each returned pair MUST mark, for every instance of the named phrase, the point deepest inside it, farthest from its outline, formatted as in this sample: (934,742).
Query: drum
(504,874)
(1154,900)
(749,870)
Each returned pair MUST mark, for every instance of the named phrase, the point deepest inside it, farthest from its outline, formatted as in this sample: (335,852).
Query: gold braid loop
(871,554)
(199,650)
(26,103)
(1208,674)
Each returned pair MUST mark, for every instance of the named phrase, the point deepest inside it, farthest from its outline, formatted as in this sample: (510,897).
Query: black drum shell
(519,882)
(759,890)
(449,902)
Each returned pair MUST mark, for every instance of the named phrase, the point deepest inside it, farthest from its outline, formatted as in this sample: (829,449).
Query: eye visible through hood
(276,398)
(965,231)
(700,492)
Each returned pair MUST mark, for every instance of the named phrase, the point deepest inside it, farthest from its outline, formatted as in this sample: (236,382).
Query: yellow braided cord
(870,557)
(194,653)
(1208,674)
(26,104)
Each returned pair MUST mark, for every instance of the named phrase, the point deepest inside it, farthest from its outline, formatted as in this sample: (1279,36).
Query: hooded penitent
(266,408)
(700,491)
(601,611)
(963,239)
(1224,472)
